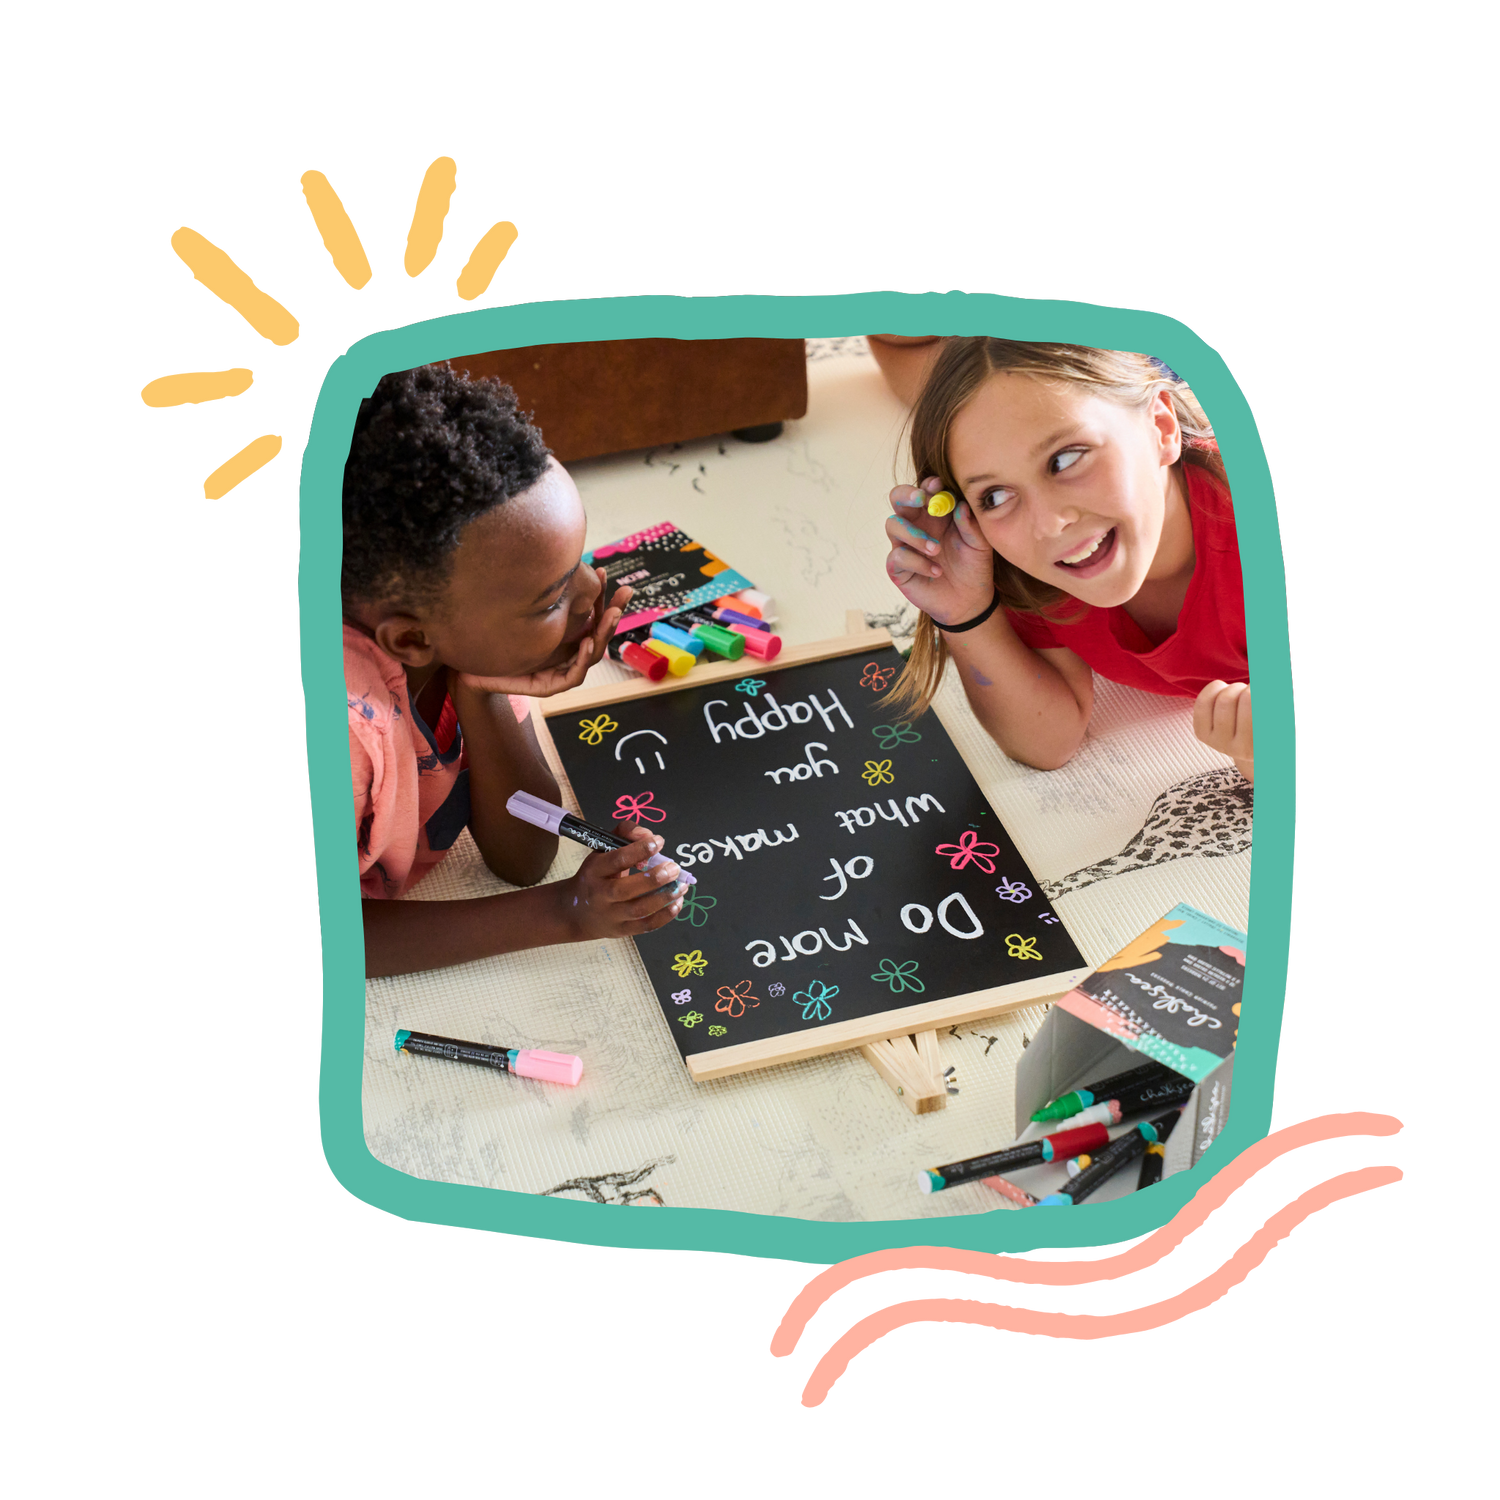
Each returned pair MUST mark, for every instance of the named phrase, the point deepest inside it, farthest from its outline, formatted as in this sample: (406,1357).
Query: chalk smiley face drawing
(640,763)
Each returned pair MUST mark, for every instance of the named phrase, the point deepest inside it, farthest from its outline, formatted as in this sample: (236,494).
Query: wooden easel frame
(900,1045)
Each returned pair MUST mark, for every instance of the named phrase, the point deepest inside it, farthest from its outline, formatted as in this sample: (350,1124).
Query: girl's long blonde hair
(963,366)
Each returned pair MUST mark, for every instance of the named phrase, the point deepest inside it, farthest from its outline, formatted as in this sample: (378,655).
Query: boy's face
(1066,485)
(518,599)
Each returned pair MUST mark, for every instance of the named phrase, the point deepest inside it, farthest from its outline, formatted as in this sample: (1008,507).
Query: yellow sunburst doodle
(196,386)
(1139,950)
(219,272)
(340,238)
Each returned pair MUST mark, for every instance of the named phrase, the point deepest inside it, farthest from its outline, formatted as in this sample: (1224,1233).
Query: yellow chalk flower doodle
(1019,947)
(877,772)
(684,964)
(592,731)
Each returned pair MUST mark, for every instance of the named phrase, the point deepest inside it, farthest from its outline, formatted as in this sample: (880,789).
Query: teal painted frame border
(354,375)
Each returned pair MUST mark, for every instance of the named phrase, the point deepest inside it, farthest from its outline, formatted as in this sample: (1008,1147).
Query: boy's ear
(404,637)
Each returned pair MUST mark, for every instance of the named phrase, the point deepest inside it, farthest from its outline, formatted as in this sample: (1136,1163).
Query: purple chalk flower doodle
(1013,890)
(682,997)
(776,990)
(970,850)
(640,808)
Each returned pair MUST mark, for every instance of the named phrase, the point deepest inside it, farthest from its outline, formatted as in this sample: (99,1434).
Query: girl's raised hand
(1221,719)
(942,564)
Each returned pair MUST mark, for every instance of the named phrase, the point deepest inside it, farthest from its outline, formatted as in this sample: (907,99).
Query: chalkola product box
(1173,995)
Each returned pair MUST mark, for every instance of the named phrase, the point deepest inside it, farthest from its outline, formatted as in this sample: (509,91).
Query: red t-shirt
(1209,641)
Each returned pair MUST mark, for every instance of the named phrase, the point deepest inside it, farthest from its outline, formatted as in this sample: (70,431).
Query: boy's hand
(1221,719)
(607,899)
(942,564)
(551,680)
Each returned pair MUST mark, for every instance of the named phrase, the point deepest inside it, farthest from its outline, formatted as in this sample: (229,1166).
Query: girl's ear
(405,638)
(1168,429)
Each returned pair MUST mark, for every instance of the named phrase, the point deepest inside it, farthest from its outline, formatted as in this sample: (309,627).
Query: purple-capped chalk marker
(559,820)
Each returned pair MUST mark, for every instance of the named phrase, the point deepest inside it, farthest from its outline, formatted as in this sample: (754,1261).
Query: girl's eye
(1066,459)
(995,499)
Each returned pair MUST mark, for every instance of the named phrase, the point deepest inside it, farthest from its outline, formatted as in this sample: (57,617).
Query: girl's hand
(607,899)
(551,680)
(1221,719)
(942,564)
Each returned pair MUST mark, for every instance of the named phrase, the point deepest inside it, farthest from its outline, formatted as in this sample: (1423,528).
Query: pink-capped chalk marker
(758,643)
(524,1062)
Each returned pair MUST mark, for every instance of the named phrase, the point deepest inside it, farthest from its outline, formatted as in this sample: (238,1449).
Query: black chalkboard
(847,865)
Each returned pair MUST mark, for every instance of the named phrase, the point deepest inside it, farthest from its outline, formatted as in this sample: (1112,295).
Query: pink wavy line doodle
(968,850)
(640,809)
(1156,1247)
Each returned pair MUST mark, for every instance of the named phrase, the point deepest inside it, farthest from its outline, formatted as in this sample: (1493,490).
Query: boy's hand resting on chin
(550,679)
(606,899)
(1221,719)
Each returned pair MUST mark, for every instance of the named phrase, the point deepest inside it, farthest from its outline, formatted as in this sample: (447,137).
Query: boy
(462,583)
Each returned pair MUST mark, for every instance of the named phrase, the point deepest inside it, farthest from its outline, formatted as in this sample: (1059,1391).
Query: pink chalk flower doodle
(876,676)
(639,809)
(970,850)
(732,1001)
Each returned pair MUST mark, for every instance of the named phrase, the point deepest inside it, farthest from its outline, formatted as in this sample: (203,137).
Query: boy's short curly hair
(432,450)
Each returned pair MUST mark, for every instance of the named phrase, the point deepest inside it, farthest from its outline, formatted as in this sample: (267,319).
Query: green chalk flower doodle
(750,685)
(899,976)
(684,964)
(718,1031)
(891,735)
(691,1018)
(814,1000)
(696,907)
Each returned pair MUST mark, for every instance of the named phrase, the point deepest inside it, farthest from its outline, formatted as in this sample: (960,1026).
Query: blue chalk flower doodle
(750,685)
(696,907)
(899,976)
(890,735)
(814,1000)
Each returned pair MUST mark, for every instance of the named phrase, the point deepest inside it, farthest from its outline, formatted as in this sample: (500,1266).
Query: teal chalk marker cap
(930,1182)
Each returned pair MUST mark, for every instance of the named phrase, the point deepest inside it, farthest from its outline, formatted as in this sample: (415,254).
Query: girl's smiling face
(1070,487)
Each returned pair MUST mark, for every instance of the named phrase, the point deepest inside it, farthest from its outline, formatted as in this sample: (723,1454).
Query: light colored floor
(826,1138)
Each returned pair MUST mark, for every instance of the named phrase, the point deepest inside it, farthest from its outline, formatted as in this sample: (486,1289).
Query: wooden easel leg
(910,1066)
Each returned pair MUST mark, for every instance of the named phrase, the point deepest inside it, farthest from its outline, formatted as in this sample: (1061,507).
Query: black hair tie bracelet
(977,620)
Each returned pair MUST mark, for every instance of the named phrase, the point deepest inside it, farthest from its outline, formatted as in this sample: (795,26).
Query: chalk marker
(941,504)
(1069,1104)
(758,643)
(1009,1190)
(734,617)
(1136,1100)
(1077,1164)
(1117,1155)
(661,631)
(1031,1153)
(757,600)
(718,639)
(679,663)
(1155,1159)
(524,1062)
(542,814)
(734,602)
(647,663)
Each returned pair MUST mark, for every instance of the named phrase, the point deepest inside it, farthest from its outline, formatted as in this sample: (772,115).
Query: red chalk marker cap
(647,663)
(758,643)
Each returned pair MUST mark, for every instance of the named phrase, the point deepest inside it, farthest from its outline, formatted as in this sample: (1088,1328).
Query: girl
(1094,533)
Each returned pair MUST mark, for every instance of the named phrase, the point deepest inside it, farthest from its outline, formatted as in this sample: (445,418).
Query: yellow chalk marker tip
(941,504)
